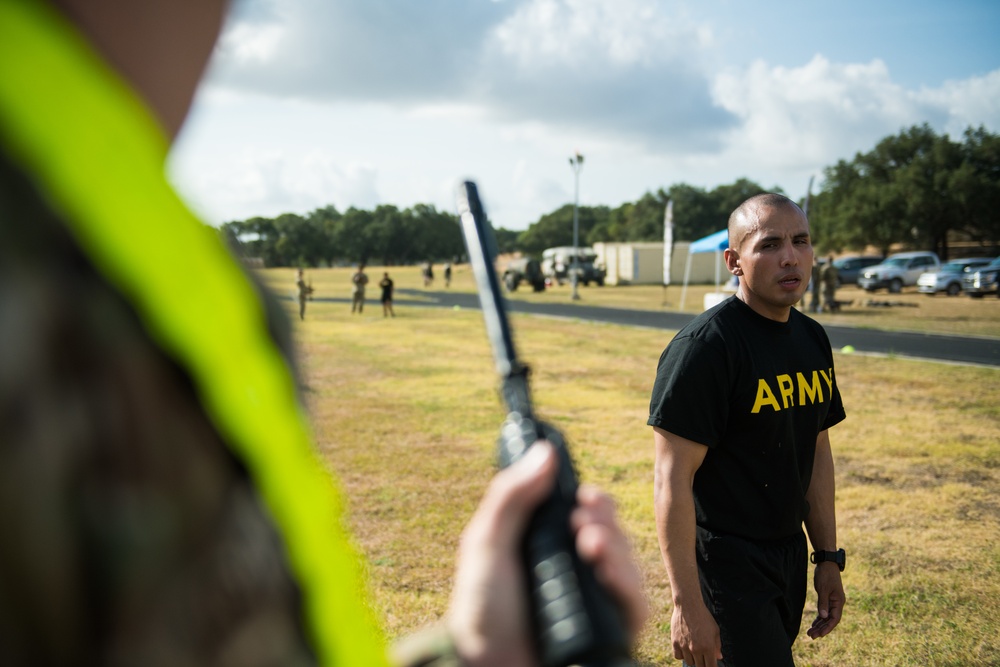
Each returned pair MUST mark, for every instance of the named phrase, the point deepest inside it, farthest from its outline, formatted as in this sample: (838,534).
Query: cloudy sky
(367,102)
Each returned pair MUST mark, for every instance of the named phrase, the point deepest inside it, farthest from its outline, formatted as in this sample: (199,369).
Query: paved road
(956,349)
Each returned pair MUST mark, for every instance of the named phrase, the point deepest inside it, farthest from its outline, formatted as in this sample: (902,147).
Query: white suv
(949,278)
(899,270)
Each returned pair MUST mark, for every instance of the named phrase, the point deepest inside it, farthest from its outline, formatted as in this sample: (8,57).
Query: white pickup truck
(898,271)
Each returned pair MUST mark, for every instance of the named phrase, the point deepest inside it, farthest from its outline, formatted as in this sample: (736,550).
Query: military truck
(558,265)
(523,269)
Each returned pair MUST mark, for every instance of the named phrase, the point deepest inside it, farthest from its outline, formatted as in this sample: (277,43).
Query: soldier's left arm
(821,524)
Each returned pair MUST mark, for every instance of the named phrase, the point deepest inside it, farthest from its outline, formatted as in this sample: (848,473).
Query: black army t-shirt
(757,393)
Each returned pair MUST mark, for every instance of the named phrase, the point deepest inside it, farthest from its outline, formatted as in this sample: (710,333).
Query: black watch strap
(839,557)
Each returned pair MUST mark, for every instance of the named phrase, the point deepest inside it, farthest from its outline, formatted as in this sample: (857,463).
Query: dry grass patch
(918,480)
(406,414)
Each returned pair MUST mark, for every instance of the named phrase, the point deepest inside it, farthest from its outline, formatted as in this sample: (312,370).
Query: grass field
(405,412)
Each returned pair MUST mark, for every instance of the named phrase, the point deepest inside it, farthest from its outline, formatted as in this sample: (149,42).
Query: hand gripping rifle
(575,621)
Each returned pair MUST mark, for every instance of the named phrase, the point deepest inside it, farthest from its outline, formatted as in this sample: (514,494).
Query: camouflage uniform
(828,276)
(814,288)
(131,535)
(304,290)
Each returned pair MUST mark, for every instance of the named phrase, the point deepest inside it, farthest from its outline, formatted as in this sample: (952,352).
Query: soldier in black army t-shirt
(741,405)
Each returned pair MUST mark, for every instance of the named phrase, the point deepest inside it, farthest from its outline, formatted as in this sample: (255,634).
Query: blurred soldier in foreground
(159,499)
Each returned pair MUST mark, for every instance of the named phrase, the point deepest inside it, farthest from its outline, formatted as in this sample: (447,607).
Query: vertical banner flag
(668,241)
(805,205)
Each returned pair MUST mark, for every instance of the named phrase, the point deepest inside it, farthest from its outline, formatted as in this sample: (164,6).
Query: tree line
(385,235)
(916,189)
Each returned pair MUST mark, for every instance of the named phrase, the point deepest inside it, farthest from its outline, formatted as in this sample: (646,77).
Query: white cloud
(579,33)
(627,69)
(821,112)
(252,43)
(381,50)
(971,102)
(268,183)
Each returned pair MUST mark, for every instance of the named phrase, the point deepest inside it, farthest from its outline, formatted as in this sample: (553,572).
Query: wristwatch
(839,557)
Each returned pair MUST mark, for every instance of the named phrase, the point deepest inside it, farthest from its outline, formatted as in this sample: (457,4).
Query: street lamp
(576,164)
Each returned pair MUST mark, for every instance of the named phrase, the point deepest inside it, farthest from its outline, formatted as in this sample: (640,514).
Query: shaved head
(770,251)
(747,215)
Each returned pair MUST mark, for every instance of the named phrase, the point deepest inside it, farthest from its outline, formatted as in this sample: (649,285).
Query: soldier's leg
(756,592)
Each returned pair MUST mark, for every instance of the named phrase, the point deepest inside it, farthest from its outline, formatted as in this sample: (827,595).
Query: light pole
(576,164)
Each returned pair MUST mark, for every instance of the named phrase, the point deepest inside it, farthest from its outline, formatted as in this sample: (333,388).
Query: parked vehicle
(523,269)
(557,265)
(983,280)
(849,267)
(949,278)
(898,271)
(589,272)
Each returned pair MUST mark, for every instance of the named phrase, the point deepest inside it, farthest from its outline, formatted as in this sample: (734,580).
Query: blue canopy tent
(716,243)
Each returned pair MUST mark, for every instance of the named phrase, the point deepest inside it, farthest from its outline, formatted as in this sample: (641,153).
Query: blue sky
(922,42)
(367,102)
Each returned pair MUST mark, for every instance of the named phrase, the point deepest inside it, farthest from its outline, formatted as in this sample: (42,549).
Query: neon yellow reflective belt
(98,155)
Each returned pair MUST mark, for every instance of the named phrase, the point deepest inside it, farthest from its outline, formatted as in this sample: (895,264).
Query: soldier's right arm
(694,633)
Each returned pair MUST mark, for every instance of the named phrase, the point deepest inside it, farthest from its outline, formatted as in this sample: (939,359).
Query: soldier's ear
(732,259)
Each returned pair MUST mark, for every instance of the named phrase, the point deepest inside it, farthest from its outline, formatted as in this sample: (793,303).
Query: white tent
(716,243)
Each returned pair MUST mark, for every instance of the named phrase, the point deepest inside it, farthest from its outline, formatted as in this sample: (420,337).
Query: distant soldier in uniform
(428,272)
(305,291)
(828,276)
(359,279)
(814,286)
(386,285)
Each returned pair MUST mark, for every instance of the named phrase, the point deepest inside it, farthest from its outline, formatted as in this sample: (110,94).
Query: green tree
(301,240)
(556,228)
(694,213)
(437,236)
(507,240)
(638,221)
(976,184)
(857,208)
(917,189)
(351,237)
(258,237)
(388,235)
(698,213)
(326,219)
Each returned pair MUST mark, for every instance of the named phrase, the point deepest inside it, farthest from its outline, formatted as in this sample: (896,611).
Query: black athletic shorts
(756,590)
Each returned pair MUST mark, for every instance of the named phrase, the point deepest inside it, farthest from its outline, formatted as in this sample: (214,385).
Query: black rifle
(575,620)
